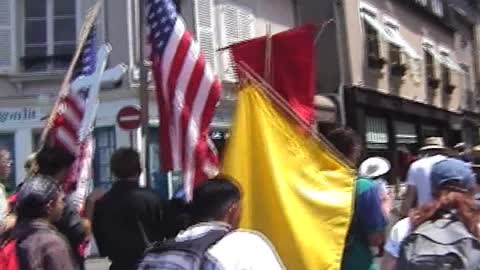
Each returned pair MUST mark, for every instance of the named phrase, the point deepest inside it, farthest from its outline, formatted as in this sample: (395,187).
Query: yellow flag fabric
(295,191)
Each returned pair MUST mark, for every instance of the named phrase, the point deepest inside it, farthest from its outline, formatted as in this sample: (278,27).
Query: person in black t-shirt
(127,218)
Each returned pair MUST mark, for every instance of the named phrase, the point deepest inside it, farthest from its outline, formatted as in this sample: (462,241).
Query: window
(437,7)
(429,65)
(422,2)
(236,24)
(49,34)
(395,55)
(372,40)
(445,71)
(469,95)
(104,148)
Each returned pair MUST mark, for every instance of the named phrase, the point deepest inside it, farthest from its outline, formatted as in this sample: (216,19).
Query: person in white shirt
(419,190)
(216,207)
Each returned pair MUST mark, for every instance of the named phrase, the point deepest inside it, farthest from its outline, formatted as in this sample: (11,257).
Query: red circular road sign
(129,117)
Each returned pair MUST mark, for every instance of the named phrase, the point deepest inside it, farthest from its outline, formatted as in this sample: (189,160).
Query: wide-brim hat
(374,167)
(433,143)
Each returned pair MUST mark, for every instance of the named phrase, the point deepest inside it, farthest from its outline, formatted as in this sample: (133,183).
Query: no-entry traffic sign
(129,117)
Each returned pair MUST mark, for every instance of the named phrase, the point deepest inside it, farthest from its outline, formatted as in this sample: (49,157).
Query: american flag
(187,93)
(68,119)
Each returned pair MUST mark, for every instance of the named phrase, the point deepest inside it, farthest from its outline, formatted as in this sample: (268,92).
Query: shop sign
(17,115)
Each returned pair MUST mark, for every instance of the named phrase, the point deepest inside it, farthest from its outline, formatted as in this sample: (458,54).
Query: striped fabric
(187,93)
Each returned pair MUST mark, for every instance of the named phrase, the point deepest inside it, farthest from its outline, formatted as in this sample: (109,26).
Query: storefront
(395,128)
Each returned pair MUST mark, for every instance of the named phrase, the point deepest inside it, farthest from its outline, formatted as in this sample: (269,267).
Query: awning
(391,35)
(443,58)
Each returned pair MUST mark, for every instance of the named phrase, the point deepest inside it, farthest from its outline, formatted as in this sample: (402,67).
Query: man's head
(41,198)
(5,164)
(347,141)
(54,162)
(217,199)
(125,164)
(433,146)
(452,174)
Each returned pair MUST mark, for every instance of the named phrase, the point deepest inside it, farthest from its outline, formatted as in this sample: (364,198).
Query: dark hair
(210,202)
(51,160)
(34,196)
(445,201)
(212,198)
(345,140)
(125,163)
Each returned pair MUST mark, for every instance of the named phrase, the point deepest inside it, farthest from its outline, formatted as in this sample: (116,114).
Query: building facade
(404,71)
(37,41)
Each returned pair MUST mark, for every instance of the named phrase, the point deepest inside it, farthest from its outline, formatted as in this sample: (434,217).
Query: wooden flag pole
(267,89)
(143,94)
(65,87)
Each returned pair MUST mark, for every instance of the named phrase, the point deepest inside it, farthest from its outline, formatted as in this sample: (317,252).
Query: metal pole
(143,91)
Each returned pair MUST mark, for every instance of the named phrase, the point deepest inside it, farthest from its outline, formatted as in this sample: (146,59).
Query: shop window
(104,148)
(7,142)
(377,133)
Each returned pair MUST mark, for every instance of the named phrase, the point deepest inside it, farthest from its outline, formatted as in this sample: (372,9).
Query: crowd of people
(41,229)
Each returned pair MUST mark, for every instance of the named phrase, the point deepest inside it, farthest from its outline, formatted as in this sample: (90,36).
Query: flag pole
(143,93)
(64,88)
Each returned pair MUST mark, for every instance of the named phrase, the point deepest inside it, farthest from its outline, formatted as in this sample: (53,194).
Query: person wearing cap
(453,185)
(419,190)
(39,245)
(375,168)
(366,234)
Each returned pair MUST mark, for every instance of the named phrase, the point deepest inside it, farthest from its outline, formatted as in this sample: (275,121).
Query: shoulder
(364,184)
(247,239)
(399,232)
(145,195)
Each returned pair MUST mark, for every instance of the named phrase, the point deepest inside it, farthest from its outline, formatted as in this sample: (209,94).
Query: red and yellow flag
(296,191)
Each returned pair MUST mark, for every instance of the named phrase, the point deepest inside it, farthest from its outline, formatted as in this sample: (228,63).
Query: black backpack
(183,255)
(440,245)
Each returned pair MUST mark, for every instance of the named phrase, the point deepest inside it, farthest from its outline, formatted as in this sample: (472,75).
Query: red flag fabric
(292,65)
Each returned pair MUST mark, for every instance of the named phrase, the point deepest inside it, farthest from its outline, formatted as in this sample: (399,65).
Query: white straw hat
(374,167)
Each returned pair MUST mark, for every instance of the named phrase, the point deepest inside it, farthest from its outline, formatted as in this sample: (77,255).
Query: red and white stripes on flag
(187,93)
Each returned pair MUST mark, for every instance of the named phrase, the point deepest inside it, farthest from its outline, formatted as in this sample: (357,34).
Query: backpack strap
(198,246)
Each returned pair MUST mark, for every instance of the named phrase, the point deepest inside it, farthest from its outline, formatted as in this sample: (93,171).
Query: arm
(370,214)
(75,228)
(58,256)
(265,254)
(388,262)
(409,201)
(98,233)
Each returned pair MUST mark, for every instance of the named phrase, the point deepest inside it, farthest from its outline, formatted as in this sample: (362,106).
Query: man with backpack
(443,234)
(34,243)
(213,242)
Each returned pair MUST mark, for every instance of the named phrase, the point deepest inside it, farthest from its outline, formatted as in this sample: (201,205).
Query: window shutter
(6,36)
(204,30)
(236,24)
